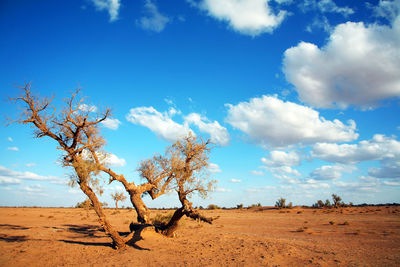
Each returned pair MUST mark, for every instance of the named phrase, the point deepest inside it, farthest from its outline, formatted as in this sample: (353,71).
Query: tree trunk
(143,213)
(116,204)
(173,223)
(118,242)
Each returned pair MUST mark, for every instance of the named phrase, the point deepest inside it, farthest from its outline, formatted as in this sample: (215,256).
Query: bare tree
(156,182)
(118,196)
(183,168)
(336,201)
(76,132)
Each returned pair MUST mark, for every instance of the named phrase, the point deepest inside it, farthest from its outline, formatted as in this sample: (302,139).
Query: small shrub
(212,207)
(240,206)
(331,222)
(162,219)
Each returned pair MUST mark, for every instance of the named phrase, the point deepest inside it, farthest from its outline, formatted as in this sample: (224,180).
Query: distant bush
(281,204)
(213,207)
(86,204)
(240,206)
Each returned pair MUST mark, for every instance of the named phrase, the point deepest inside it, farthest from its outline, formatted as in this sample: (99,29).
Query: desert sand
(356,236)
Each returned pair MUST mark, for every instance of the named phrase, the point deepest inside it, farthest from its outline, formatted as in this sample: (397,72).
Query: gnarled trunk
(143,213)
(187,210)
(118,242)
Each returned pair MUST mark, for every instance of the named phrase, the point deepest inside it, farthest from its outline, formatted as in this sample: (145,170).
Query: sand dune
(357,236)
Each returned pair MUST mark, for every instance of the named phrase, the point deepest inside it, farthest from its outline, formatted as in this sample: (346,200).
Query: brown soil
(367,236)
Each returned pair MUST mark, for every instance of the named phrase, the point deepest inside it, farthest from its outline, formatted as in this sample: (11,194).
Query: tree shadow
(90,231)
(97,244)
(13,227)
(13,238)
(86,230)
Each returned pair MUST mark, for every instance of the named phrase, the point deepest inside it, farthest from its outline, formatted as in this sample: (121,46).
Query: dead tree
(186,163)
(156,182)
(118,197)
(76,132)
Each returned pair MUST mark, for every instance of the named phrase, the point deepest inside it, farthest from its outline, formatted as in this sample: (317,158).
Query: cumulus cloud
(108,159)
(113,160)
(7,174)
(331,172)
(218,133)
(313,184)
(111,6)
(13,148)
(159,123)
(365,184)
(281,158)
(382,148)
(167,129)
(154,21)
(236,181)
(325,6)
(112,124)
(378,148)
(9,180)
(246,17)
(358,66)
(88,108)
(213,168)
(222,190)
(272,122)
(258,173)
(387,9)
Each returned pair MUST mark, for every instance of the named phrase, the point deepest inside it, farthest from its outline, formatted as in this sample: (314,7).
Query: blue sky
(301,98)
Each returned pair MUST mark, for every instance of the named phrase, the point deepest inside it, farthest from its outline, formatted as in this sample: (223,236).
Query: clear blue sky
(300,97)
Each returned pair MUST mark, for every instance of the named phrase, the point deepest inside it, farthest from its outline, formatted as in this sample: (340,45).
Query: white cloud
(34,188)
(155,21)
(271,122)
(13,148)
(236,181)
(246,17)
(112,124)
(378,148)
(218,133)
(258,173)
(88,108)
(390,168)
(313,184)
(31,164)
(391,183)
(159,123)
(387,9)
(112,6)
(222,190)
(281,158)
(329,172)
(213,168)
(17,176)
(365,184)
(325,6)
(113,160)
(9,180)
(108,159)
(284,170)
(358,66)
(10,139)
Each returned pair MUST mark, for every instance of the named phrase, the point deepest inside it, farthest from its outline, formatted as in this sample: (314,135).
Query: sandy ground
(367,236)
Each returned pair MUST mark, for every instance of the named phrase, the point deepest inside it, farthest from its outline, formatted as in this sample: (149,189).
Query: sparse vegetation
(281,204)
(213,207)
(118,196)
